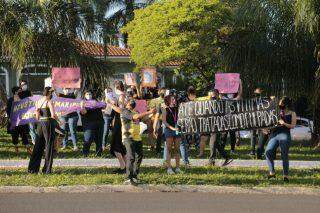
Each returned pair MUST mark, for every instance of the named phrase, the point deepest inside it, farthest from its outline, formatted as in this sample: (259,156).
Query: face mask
(88,96)
(118,92)
(24,87)
(282,107)
(65,91)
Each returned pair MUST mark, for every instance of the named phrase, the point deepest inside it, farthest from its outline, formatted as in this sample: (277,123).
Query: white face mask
(118,92)
(24,87)
(88,96)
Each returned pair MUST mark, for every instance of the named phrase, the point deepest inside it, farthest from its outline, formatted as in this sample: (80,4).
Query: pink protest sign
(130,79)
(141,106)
(66,77)
(227,82)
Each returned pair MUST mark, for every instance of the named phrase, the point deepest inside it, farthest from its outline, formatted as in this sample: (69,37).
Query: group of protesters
(121,118)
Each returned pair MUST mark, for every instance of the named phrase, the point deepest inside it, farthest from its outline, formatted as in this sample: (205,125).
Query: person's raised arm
(114,107)
(239,96)
(141,115)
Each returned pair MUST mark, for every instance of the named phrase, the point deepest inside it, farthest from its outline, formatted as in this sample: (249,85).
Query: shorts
(168,133)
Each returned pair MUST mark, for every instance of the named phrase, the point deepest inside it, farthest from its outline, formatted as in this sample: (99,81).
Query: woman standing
(117,148)
(171,132)
(280,136)
(45,114)
(93,123)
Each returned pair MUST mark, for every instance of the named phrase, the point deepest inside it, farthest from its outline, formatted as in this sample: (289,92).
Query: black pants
(134,157)
(216,145)
(159,140)
(23,132)
(44,140)
(263,139)
(224,137)
(93,132)
(253,139)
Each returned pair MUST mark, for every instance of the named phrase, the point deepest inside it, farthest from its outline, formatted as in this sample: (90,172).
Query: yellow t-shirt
(135,130)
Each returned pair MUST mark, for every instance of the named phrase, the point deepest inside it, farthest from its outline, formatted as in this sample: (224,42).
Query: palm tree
(46,32)
(308,17)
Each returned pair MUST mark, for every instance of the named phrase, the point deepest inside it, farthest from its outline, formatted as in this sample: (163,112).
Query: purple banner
(23,111)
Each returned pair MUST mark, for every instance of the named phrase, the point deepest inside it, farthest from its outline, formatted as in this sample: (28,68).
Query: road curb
(163,188)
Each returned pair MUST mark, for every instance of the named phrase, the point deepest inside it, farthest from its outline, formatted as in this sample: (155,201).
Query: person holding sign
(45,114)
(21,130)
(280,136)
(93,124)
(131,138)
(171,132)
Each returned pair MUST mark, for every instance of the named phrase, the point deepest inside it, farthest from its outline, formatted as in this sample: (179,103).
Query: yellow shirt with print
(135,129)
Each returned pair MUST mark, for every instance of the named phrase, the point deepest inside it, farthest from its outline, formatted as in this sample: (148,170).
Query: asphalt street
(156,202)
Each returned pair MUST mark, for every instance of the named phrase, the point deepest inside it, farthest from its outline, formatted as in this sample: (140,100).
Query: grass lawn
(244,177)
(299,150)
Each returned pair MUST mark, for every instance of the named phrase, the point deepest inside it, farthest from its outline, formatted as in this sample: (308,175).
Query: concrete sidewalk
(86,162)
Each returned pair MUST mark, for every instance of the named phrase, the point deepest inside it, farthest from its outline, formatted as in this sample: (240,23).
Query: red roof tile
(95,49)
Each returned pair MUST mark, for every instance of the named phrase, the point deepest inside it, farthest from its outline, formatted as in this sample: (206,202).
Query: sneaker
(178,171)
(269,176)
(170,171)
(227,162)
(211,163)
(75,149)
(252,153)
(136,180)
(232,152)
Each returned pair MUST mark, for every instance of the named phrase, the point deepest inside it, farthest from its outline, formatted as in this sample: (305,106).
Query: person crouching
(131,138)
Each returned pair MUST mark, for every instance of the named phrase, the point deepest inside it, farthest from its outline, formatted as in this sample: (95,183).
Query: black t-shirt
(172,115)
(92,116)
(25,94)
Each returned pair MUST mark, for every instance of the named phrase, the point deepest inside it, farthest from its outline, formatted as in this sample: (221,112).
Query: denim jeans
(224,137)
(70,125)
(106,128)
(93,132)
(33,131)
(183,151)
(283,140)
(215,145)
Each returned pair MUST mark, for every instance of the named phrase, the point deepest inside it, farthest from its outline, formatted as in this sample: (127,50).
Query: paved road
(156,202)
(85,162)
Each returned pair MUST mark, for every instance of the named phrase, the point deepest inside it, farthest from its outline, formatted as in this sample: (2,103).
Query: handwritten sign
(23,111)
(66,77)
(130,79)
(224,115)
(149,77)
(227,82)
(141,106)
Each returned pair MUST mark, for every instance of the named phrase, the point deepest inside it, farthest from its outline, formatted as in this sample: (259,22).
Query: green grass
(244,177)
(300,150)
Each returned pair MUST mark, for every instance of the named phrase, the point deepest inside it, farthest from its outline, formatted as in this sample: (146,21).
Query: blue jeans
(93,132)
(106,128)
(183,151)
(283,140)
(70,125)
(32,131)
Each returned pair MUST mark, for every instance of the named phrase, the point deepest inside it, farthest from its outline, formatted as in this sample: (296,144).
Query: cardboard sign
(66,77)
(130,79)
(227,82)
(149,77)
(141,106)
(213,116)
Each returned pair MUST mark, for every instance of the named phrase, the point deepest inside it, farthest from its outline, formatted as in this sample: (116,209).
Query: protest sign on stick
(224,115)
(130,79)
(149,77)
(141,106)
(66,77)
(227,82)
